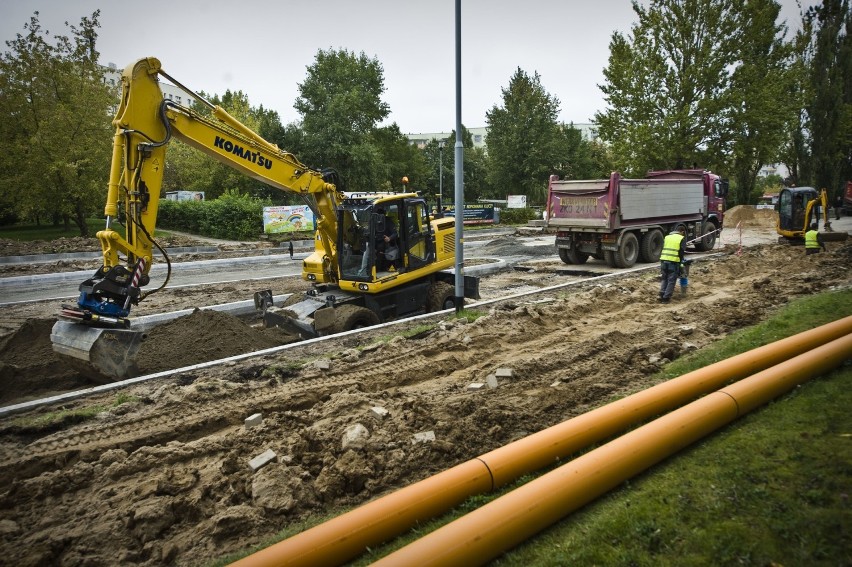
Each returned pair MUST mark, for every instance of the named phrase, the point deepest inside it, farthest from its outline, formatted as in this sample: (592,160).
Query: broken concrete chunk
(424,437)
(355,435)
(253,420)
(262,460)
(491,381)
(475,386)
(379,412)
(504,373)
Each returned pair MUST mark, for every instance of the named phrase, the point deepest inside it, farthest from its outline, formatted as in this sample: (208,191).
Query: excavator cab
(798,208)
(365,221)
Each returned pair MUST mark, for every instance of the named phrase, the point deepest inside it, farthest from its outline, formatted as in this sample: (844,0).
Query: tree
(55,140)
(665,87)
(828,60)
(759,109)
(398,159)
(525,142)
(475,170)
(340,104)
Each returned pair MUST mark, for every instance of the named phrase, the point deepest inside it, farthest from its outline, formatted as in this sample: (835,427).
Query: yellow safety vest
(811,240)
(671,248)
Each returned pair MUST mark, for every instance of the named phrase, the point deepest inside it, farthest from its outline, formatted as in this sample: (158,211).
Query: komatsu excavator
(352,286)
(798,208)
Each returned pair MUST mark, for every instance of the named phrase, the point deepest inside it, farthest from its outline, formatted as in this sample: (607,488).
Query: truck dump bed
(616,203)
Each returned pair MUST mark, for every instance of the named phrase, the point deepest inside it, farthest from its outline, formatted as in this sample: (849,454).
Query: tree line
(714,84)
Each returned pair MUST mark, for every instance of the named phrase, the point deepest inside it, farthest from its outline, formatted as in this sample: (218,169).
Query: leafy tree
(55,140)
(758,108)
(584,159)
(525,142)
(398,159)
(475,171)
(665,86)
(829,100)
(340,104)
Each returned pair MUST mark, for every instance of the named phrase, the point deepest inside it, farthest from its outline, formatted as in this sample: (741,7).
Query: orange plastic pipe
(347,536)
(509,520)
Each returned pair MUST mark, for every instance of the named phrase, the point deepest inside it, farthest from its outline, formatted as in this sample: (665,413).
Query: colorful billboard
(287,218)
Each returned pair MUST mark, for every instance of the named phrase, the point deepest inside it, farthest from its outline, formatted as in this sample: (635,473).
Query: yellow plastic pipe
(509,520)
(347,536)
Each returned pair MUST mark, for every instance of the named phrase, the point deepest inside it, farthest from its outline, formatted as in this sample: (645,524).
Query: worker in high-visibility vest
(670,260)
(813,242)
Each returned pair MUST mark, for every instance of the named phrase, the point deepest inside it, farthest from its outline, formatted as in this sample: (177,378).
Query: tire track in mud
(162,424)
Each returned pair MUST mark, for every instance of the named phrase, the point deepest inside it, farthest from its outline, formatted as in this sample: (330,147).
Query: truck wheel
(563,255)
(441,296)
(609,258)
(628,252)
(651,246)
(709,241)
(348,317)
(577,257)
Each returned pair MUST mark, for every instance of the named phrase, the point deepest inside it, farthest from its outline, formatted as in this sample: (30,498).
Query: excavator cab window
(356,256)
(417,235)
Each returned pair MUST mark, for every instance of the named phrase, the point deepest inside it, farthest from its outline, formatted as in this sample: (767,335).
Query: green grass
(69,416)
(31,232)
(770,489)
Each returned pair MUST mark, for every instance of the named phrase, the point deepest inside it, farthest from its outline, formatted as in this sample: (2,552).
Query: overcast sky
(263,47)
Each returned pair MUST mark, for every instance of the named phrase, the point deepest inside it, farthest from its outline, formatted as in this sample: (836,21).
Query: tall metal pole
(459,193)
(441,144)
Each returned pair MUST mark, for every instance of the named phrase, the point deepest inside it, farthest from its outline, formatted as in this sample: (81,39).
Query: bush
(518,216)
(230,217)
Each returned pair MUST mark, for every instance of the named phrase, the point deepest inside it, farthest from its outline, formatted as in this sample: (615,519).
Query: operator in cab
(387,244)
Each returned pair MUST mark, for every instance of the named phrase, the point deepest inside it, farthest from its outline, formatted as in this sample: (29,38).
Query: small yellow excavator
(352,284)
(798,208)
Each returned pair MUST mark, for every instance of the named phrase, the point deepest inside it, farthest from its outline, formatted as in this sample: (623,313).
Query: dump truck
(621,221)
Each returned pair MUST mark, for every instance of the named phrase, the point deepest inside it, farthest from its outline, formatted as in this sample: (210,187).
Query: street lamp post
(441,173)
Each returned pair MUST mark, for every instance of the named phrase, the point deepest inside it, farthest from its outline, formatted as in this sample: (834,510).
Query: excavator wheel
(441,296)
(349,316)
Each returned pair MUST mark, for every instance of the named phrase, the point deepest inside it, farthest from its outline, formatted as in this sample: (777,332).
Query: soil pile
(201,336)
(164,477)
(747,216)
(29,368)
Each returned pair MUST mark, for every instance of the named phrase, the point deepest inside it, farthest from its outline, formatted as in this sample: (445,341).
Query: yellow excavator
(798,208)
(354,282)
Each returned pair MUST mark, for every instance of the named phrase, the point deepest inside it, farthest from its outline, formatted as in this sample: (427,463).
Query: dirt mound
(29,368)
(201,336)
(748,216)
(507,246)
(9,247)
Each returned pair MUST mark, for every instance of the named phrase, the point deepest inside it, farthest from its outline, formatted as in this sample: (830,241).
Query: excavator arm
(145,123)
(94,334)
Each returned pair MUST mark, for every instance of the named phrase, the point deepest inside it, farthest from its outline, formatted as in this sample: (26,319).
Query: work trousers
(669,271)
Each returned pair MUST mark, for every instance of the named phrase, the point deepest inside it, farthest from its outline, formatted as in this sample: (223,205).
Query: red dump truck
(622,221)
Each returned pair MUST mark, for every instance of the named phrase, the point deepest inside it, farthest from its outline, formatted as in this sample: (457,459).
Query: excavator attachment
(104,355)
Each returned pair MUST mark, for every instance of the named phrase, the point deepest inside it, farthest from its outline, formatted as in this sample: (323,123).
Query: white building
(113,76)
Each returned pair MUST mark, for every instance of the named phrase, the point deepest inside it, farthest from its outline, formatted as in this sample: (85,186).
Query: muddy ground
(164,477)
